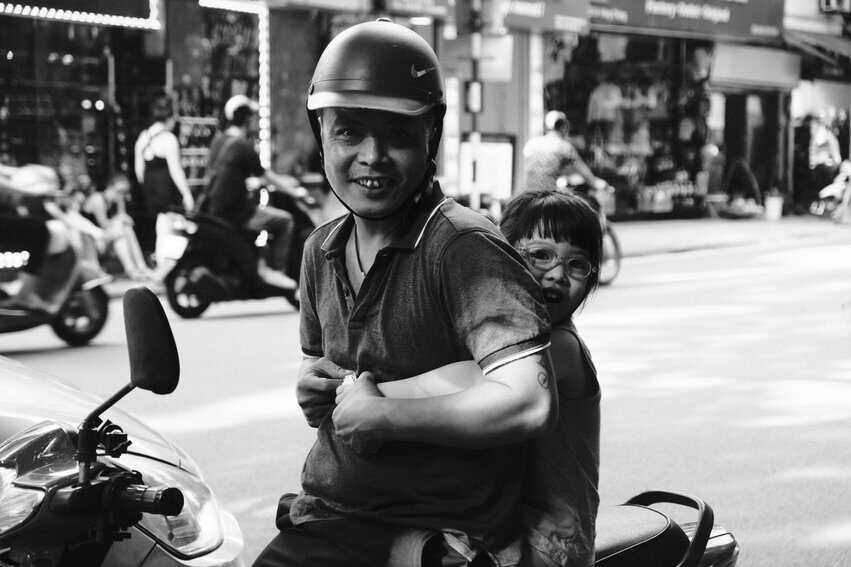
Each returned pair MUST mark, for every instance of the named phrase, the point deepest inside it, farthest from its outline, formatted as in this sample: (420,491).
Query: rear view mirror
(154,364)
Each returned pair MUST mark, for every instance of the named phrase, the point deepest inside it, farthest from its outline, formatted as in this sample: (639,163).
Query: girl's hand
(357,417)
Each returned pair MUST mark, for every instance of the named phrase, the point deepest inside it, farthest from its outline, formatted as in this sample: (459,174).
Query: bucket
(773,207)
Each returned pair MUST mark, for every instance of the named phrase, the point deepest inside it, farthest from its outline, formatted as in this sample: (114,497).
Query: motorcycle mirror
(154,364)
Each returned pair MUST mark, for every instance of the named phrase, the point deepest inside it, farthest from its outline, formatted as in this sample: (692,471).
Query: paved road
(725,373)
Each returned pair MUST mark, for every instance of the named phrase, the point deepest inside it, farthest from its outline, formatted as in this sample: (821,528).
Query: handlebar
(164,501)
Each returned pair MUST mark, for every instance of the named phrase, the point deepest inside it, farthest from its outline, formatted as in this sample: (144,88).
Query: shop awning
(823,46)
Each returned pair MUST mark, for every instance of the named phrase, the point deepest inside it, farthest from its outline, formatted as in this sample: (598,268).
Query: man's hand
(317,386)
(356,417)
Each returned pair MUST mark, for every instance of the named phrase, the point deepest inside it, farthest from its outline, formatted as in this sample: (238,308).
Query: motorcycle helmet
(35,179)
(555,120)
(236,102)
(382,66)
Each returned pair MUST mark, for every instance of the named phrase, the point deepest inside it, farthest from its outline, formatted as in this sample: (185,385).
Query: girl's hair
(162,107)
(561,216)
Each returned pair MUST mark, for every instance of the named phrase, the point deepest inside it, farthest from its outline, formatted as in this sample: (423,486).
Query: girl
(157,165)
(560,237)
(108,208)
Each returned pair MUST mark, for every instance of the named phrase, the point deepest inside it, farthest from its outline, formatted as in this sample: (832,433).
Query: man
(552,156)
(407,282)
(233,162)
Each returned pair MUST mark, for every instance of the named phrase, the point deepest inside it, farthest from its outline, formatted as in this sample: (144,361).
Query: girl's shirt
(562,498)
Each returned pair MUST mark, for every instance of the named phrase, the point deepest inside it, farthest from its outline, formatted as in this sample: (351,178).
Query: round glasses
(545,259)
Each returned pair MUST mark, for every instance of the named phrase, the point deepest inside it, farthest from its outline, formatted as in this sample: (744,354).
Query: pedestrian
(233,161)
(824,157)
(560,237)
(408,281)
(158,169)
(551,157)
(108,209)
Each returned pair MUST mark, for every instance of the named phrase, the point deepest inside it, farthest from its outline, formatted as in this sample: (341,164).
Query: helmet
(35,179)
(555,119)
(379,66)
(238,101)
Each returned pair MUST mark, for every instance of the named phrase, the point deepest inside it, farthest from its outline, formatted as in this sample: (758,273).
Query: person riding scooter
(52,260)
(233,162)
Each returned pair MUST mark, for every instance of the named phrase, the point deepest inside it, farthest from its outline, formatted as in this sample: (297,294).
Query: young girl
(109,210)
(560,237)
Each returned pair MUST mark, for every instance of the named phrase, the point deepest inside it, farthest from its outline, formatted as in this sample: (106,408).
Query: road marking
(264,405)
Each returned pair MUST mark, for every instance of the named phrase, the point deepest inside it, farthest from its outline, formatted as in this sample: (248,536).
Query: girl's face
(562,269)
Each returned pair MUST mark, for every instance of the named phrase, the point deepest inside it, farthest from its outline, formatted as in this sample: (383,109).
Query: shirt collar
(414,225)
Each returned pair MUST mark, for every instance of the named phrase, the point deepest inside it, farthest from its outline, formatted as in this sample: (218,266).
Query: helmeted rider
(49,271)
(551,157)
(408,281)
(233,162)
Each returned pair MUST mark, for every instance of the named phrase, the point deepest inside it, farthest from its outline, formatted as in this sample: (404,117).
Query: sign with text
(750,20)
(436,8)
(552,15)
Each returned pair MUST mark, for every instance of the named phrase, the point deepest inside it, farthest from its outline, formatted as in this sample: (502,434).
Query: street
(725,373)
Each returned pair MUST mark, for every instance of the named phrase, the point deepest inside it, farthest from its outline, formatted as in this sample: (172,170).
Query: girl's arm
(139,160)
(172,158)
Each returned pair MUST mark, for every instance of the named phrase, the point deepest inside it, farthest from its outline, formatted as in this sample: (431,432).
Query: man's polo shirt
(448,288)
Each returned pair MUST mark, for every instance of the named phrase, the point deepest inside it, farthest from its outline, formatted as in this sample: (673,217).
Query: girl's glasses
(545,259)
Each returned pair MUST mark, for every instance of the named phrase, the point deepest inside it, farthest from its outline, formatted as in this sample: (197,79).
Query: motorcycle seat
(629,535)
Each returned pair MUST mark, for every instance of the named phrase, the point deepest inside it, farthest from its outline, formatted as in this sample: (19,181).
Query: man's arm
(286,183)
(512,403)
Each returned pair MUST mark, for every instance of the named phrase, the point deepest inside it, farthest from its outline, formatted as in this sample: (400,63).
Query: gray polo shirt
(448,288)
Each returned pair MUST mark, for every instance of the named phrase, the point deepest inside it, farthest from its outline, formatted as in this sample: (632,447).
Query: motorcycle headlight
(16,504)
(31,461)
(197,529)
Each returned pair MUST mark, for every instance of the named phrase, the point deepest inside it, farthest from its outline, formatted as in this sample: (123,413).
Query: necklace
(357,252)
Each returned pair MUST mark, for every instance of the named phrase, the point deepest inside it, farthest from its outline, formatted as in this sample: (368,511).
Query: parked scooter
(215,261)
(98,495)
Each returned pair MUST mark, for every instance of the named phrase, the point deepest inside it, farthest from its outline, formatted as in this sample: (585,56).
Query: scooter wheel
(184,294)
(82,317)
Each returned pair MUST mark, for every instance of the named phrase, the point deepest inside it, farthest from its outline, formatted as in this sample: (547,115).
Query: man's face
(374,160)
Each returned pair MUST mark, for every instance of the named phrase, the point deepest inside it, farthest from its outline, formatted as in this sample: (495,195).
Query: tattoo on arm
(543,374)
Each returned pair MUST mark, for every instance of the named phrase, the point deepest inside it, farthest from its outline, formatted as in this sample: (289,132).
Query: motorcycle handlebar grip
(152,500)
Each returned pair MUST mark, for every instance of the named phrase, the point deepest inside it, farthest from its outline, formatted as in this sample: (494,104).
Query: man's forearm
(511,407)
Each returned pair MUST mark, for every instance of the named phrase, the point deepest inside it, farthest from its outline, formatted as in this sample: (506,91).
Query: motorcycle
(97,495)
(213,261)
(85,307)
(637,534)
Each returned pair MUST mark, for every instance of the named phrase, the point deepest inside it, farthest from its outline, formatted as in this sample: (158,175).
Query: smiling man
(408,281)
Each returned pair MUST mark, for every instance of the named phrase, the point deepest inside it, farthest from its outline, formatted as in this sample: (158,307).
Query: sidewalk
(644,238)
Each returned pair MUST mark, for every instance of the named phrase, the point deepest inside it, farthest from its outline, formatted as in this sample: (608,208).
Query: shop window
(638,107)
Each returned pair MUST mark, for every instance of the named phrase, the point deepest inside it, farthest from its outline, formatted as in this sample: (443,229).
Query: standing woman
(157,165)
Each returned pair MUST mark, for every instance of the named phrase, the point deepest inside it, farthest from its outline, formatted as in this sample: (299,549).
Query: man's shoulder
(453,220)
(319,234)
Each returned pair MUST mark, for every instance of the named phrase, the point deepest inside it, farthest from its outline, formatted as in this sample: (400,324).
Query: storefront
(657,84)
(62,74)
(520,39)
(824,91)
